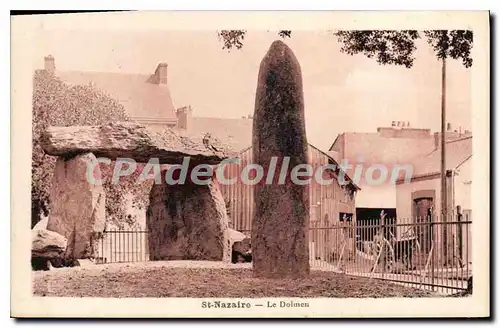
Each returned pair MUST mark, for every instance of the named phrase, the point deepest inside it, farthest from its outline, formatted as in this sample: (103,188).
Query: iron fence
(420,252)
(123,246)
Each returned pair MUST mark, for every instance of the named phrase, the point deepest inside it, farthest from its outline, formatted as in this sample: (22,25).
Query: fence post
(459,232)
(433,249)
(102,246)
(382,249)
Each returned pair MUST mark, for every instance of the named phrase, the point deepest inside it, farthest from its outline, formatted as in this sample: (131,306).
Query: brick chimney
(161,73)
(184,115)
(50,64)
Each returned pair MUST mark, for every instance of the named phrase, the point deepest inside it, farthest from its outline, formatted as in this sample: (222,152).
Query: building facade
(419,200)
(396,148)
(426,181)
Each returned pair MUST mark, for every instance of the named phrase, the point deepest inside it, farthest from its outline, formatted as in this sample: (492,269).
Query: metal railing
(419,253)
(123,246)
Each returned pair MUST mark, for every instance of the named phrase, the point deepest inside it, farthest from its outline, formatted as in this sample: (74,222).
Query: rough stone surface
(134,141)
(84,262)
(47,244)
(279,228)
(241,246)
(42,224)
(188,222)
(77,206)
(46,247)
(235,235)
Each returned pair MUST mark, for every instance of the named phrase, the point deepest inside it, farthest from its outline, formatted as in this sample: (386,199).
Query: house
(419,199)
(380,158)
(145,97)
(426,180)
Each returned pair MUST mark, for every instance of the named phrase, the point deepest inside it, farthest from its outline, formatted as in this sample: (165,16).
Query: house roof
(335,141)
(236,132)
(379,149)
(140,97)
(331,159)
(457,152)
(416,149)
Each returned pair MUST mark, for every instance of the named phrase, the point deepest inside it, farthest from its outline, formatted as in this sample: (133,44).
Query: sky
(342,93)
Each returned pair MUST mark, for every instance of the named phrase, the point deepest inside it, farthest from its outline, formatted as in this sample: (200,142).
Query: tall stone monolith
(279,227)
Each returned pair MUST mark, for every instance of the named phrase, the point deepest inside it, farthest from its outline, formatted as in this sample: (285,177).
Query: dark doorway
(369,213)
(368,218)
(423,215)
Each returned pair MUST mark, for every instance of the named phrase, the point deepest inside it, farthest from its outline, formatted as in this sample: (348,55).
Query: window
(345,217)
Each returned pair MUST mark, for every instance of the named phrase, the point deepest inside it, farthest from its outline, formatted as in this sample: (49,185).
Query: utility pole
(444,203)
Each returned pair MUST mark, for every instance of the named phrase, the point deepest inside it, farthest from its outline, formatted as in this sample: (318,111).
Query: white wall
(370,196)
(404,201)
(461,191)
(462,196)
(463,186)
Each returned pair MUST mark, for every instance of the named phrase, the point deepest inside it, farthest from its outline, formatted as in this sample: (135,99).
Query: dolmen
(185,221)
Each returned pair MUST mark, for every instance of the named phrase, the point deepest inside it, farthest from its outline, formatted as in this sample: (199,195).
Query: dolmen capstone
(188,212)
(134,141)
(279,227)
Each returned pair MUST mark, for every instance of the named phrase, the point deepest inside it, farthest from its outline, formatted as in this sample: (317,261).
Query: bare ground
(204,279)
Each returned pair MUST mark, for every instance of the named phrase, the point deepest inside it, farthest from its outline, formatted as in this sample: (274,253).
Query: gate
(123,246)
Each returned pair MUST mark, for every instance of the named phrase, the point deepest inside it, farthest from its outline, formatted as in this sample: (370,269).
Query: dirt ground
(204,279)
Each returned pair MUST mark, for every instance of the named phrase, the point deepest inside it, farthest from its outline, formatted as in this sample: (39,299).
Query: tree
(387,47)
(234,38)
(55,103)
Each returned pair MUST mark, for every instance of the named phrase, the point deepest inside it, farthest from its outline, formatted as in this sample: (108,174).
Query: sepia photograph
(236,164)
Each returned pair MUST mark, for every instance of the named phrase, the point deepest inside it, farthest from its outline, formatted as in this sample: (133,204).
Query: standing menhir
(279,228)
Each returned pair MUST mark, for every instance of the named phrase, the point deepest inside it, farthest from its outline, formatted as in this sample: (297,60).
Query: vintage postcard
(250,164)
